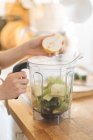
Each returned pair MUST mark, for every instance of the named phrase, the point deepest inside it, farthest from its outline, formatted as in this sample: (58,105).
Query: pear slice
(36,90)
(53,44)
(58,90)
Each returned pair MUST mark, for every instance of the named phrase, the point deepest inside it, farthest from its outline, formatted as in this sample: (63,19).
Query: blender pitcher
(51,81)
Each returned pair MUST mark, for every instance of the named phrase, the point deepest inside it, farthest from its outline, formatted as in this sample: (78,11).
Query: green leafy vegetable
(53,99)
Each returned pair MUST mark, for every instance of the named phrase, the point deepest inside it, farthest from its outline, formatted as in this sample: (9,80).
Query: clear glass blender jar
(51,81)
(51,86)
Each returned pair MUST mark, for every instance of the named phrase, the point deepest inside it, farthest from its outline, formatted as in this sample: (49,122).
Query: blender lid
(58,59)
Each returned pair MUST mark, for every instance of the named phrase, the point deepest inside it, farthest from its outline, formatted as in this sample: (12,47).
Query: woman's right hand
(14,85)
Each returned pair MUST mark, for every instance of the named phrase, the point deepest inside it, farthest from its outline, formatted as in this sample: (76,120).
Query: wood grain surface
(79,127)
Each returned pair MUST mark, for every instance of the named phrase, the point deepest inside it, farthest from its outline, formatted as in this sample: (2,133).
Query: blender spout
(79,56)
(68,58)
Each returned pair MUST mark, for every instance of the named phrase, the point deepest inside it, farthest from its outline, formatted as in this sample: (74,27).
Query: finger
(23,81)
(18,82)
(21,91)
(20,75)
(21,86)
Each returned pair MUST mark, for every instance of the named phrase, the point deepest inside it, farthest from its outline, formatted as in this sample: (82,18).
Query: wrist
(2,92)
(26,48)
(1,87)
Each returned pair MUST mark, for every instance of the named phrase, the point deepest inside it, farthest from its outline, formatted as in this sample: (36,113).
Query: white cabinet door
(15,132)
(3,122)
(9,130)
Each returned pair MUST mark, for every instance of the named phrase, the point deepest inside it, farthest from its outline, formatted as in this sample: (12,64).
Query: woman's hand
(14,85)
(34,46)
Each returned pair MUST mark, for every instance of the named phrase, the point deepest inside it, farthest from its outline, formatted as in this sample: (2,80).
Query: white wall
(82,31)
(84,34)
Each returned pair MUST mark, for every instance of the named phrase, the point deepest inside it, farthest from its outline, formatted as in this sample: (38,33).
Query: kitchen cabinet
(9,130)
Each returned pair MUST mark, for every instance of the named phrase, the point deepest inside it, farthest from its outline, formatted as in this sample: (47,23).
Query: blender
(51,82)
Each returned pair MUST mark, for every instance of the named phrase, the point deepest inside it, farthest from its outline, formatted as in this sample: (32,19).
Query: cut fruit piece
(36,90)
(54,43)
(47,97)
(58,90)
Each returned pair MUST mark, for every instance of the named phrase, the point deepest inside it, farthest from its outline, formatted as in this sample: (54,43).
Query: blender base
(53,119)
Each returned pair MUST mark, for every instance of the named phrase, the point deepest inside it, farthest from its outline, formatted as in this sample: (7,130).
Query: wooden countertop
(79,127)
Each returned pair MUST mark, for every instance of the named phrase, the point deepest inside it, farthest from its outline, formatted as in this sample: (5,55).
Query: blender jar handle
(19,67)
